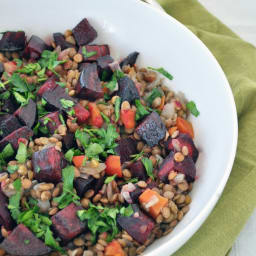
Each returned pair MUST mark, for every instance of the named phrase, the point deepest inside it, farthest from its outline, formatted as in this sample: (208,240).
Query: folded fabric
(238,60)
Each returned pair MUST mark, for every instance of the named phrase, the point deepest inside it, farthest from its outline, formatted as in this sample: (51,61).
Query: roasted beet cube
(51,121)
(35,47)
(66,223)
(180,141)
(9,105)
(82,185)
(48,85)
(1,68)
(166,166)
(138,170)
(47,165)
(69,140)
(126,147)
(27,114)
(59,40)
(138,225)
(130,59)
(8,124)
(99,183)
(151,129)
(22,242)
(23,132)
(135,194)
(127,89)
(81,113)
(104,69)
(97,51)
(13,41)
(54,99)
(84,33)
(88,85)
(5,216)
(83,65)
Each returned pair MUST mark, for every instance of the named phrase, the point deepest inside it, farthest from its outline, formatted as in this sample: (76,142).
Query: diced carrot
(81,113)
(95,118)
(155,209)
(128,118)
(185,126)
(172,130)
(162,103)
(114,249)
(78,161)
(113,164)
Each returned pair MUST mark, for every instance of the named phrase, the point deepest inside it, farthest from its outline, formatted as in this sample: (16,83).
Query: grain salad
(96,154)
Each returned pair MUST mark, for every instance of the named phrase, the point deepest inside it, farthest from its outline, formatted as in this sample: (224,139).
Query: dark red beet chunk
(15,243)
(127,89)
(13,41)
(82,185)
(83,65)
(66,223)
(138,170)
(27,114)
(100,51)
(23,132)
(69,140)
(186,167)
(5,216)
(51,121)
(81,113)
(135,194)
(8,106)
(88,85)
(183,140)
(130,59)
(48,85)
(35,47)
(59,39)
(1,68)
(125,148)
(152,129)
(47,165)
(53,98)
(104,70)
(8,124)
(139,228)
(84,33)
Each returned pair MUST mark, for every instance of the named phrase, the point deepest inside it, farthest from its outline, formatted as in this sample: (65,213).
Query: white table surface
(240,16)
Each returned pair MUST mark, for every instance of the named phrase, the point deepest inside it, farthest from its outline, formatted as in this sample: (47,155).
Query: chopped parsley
(109,179)
(26,241)
(127,211)
(61,84)
(6,153)
(163,72)
(133,180)
(12,168)
(21,156)
(66,103)
(117,108)
(111,85)
(69,155)
(14,200)
(136,157)
(148,166)
(141,111)
(191,106)
(106,119)
(153,95)
(87,54)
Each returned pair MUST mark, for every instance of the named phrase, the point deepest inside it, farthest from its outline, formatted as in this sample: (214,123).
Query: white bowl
(163,42)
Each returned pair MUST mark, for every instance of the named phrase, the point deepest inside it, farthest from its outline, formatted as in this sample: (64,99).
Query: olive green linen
(238,60)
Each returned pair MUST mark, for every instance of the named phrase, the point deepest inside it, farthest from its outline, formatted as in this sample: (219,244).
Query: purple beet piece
(127,89)
(34,48)
(8,124)
(138,227)
(59,39)
(126,147)
(130,59)
(88,85)
(47,165)
(99,183)
(151,129)
(23,132)
(8,105)
(138,170)
(166,166)
(69,140)
(135,194)
(98,50)
(22,242)
(83,65)
(51,121)
(49,84)
(84,33)
(1,68)
(104,69)
(82,185)
(66,223)
(54,97)
(183,140)
(13,41)
(27,114)
(5,216)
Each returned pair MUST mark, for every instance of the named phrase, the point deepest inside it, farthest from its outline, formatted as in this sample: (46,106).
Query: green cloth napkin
(238,60)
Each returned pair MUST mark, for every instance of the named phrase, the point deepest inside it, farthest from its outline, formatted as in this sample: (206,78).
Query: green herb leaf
(5,95)
(117,108)
(140,110)
(50,240)
(69,155)
(7,151)
(83,137)
(127,211)
(148,166)
(21,156)
(111,85)
(67,103)
(191,106)
(136,157)
(12,168)
(133,180)
(109,179)
(61,84)
(93,150)
(26,241)
(163,72)
(30,68)
(106,119)
(18,62)
(87,54)
(19,84)
(62,119)
(154,94)
(14,200)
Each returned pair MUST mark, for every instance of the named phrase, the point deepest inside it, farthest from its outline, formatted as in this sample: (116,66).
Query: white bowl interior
(162,42)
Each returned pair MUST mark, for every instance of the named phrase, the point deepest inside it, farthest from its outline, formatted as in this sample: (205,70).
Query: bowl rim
(197,222)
